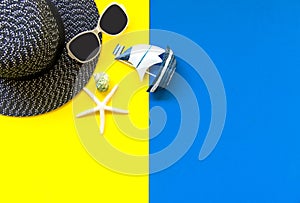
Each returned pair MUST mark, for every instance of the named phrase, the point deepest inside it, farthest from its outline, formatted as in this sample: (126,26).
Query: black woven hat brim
(60,84)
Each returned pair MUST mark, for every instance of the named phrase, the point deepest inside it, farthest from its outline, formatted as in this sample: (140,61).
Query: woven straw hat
(36,73)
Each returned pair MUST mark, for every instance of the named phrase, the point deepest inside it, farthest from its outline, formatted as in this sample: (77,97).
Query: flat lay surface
(154,153)
(43,160)
(255,46)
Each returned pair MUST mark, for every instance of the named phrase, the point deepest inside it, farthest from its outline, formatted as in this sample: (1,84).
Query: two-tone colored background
(255,46)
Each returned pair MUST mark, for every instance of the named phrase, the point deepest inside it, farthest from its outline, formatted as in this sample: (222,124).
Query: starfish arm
(109,96)
(115,110)
(102,121)
(92,96)
(87,112)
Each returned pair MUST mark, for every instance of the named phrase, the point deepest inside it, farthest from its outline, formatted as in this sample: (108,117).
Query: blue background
(255,46)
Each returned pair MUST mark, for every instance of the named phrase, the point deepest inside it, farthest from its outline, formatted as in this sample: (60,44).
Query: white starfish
(101,107)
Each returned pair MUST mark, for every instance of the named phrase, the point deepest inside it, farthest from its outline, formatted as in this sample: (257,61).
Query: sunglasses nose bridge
(98,29)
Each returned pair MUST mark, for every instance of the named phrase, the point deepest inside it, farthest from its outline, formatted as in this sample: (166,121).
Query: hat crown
(29,36)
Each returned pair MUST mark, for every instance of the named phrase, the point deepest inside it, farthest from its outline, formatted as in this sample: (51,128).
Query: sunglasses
(86,46)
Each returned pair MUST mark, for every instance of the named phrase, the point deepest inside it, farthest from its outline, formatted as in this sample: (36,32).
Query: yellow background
(43,160)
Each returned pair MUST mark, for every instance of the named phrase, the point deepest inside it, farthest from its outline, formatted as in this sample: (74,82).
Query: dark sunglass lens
(85,46)
(113,20)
